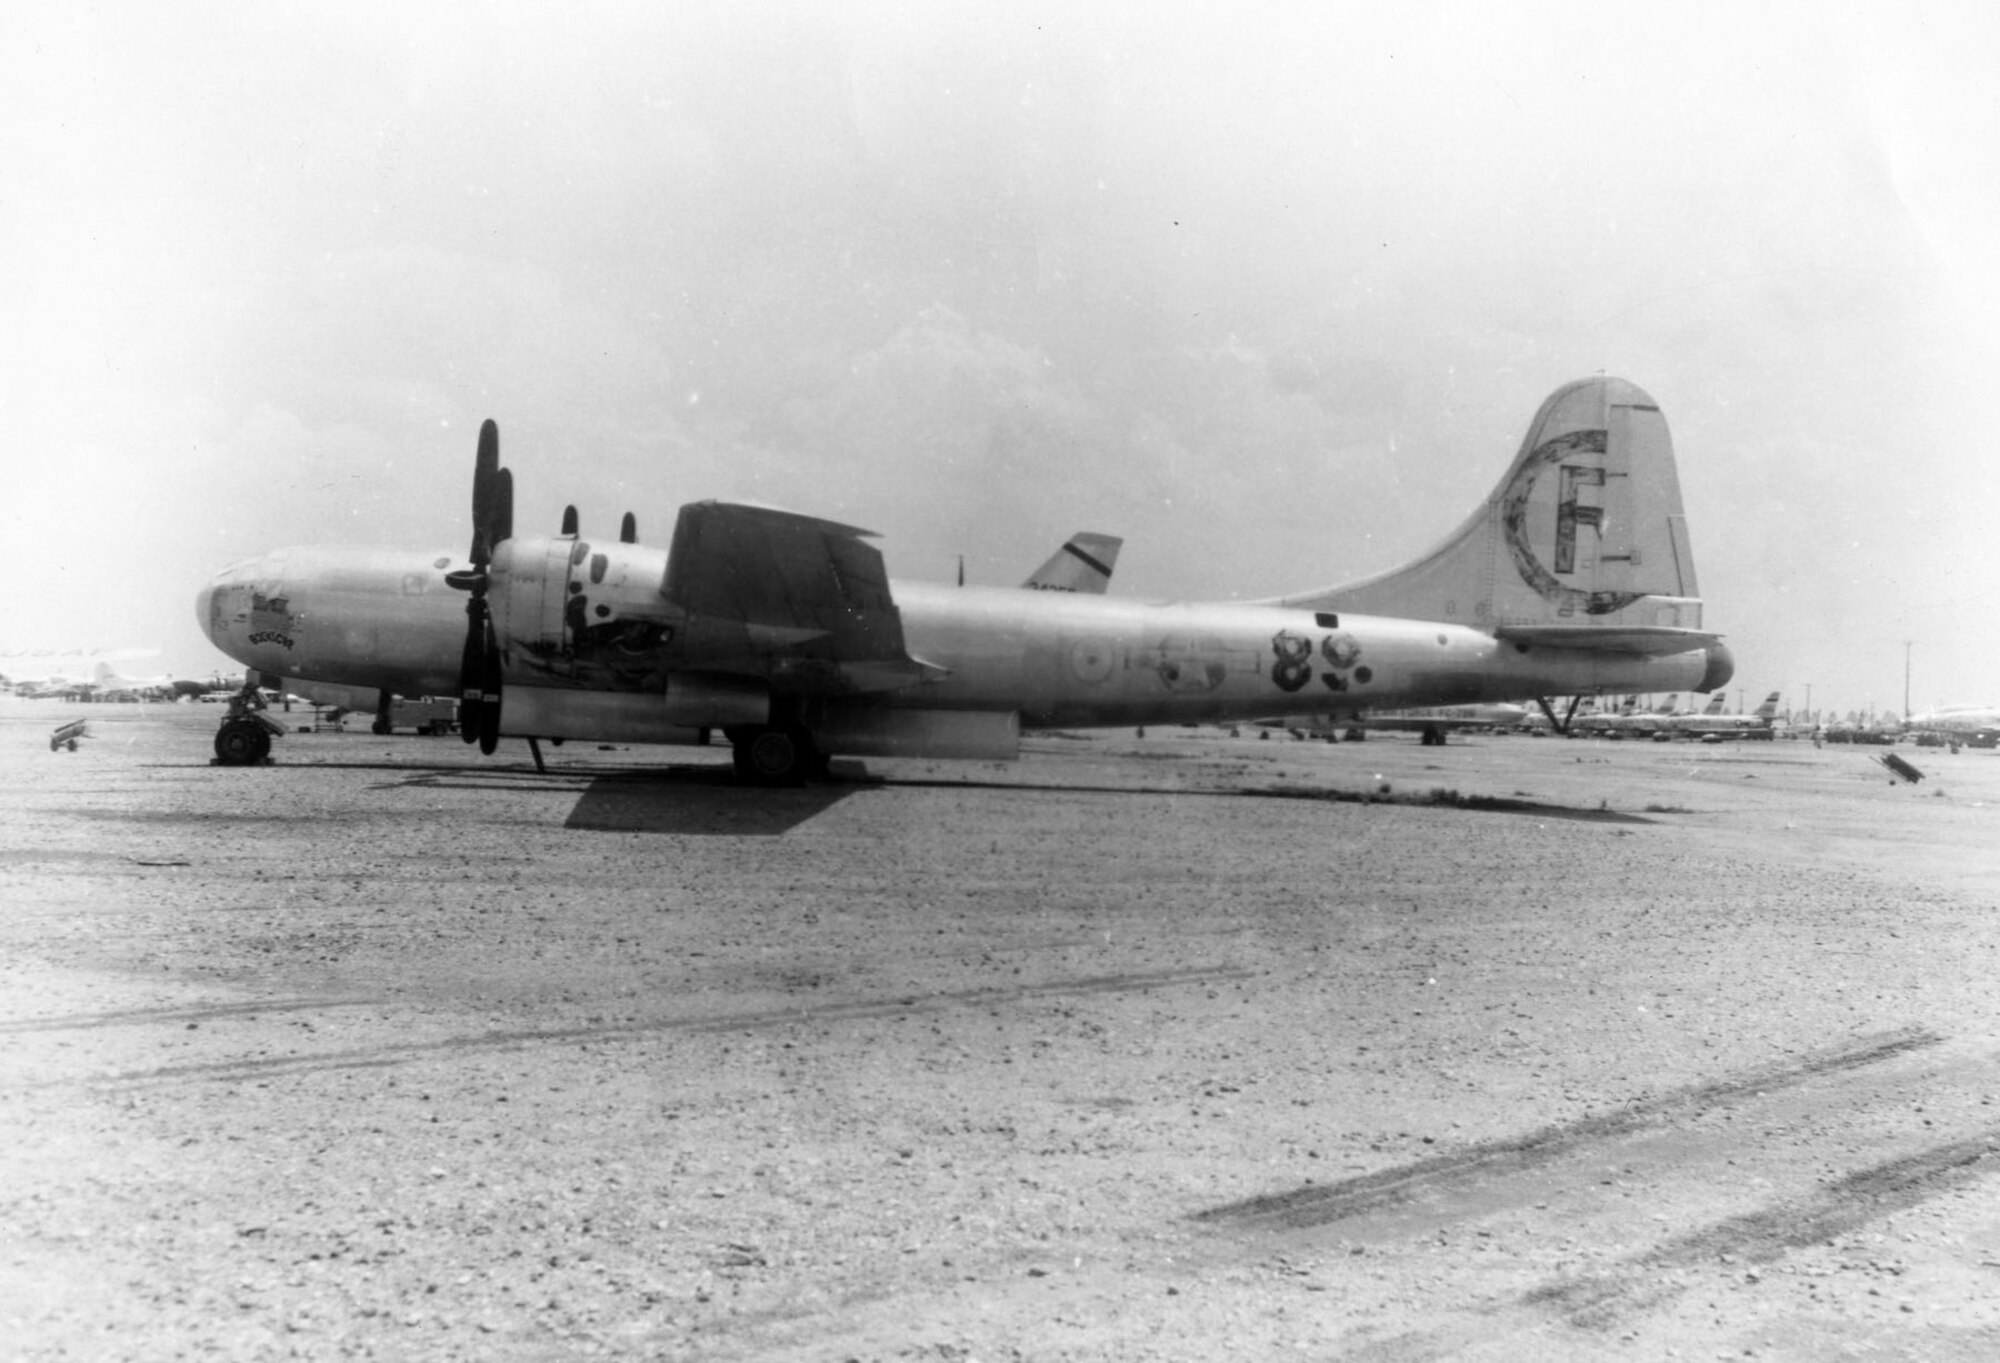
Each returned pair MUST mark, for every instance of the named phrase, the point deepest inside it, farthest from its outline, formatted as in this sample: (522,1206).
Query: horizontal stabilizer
(1642,641)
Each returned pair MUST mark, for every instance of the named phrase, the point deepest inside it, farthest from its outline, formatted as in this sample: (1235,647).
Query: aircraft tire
(774,756)
(242,743)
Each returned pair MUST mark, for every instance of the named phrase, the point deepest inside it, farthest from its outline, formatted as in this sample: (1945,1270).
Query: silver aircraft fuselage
(385,619)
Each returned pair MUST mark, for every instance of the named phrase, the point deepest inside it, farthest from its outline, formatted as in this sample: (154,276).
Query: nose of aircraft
(207,609)
(210,603)
(1721,667)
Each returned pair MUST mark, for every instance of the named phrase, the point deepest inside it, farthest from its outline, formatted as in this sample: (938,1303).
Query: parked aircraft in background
(1712,727)
(1434,722)
(108,684)
(1712,709)
(53,687)
(1083,564)
(1634,722)
(1630,721)
(1594,721)
(60,674)
(784,633)
(1863,728)
(1977,726)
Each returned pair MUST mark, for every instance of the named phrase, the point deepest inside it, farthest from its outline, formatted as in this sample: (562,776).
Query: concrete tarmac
(1176,1047)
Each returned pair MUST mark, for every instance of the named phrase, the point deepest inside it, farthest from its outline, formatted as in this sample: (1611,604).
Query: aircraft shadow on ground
(689,799)
(699,801)
(1419,799)
(706,799)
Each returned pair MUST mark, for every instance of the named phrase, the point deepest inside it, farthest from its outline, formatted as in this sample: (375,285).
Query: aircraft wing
(793,598)
(1644,641)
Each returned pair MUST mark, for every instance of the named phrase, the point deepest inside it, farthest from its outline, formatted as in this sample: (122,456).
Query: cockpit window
(598,563)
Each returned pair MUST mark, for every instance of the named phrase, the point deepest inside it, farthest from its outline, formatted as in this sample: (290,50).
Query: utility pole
(1906,678)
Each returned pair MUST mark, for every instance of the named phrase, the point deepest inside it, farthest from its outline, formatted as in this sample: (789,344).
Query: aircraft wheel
(774,756)
(242,743)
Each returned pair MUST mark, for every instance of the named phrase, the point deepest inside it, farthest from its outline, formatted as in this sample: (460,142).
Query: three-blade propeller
(479,672)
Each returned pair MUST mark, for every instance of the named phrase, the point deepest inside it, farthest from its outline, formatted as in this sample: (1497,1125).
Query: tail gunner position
(783,633)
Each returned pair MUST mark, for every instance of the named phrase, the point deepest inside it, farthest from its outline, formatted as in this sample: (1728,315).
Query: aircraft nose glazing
(208,608)
(212,602)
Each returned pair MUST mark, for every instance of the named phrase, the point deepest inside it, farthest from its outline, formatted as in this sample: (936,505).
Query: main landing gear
(775,755)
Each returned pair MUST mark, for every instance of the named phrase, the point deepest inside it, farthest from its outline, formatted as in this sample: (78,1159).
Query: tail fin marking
(1585,532)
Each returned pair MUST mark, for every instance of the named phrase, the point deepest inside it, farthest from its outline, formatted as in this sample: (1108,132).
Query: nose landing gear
(244,740)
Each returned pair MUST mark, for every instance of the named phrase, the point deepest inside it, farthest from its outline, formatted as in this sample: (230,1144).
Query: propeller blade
(501,514)
(569,520)
(480,671)
(492,523)
(485,475)
(628,529)
(471,667)
(490,681)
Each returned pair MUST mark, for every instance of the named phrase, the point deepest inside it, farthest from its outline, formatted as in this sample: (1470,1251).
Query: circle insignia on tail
(1514,523)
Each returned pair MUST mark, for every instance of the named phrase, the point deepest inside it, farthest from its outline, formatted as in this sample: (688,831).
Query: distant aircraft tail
(1084,564)
(1715,703)
(1583,544)
(1769,709)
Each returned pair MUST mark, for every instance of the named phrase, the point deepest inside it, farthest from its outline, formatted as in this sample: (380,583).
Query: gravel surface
(1183,1046)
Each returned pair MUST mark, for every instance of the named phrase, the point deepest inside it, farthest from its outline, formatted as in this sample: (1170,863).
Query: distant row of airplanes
(782,635)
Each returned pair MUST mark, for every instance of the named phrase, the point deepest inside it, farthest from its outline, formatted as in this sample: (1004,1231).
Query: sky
(1271,290)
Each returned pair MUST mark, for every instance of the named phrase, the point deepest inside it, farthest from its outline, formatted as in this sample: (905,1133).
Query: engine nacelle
(602,716)
(716,701)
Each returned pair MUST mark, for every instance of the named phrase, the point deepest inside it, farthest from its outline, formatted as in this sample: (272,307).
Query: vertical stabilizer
(1585,531)
(1084,564)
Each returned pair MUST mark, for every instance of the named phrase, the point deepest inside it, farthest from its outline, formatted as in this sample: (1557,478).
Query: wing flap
(786,596)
